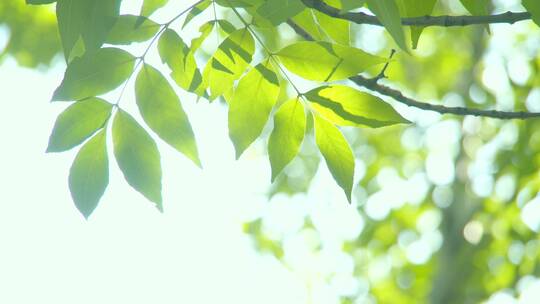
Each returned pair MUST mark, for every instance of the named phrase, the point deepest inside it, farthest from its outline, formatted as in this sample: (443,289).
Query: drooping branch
(374,85)
(446,21)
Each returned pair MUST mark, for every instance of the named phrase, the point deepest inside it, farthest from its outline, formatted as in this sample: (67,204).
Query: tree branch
(373,85)
(446,21)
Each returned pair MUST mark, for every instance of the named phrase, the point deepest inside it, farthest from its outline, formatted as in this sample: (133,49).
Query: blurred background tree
(445,209)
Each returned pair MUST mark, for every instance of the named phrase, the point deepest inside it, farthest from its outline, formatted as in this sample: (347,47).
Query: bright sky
(195,252)
(128,252)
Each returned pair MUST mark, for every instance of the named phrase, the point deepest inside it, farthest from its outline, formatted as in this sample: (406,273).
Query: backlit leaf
(251,104)
(130,28)
(336,152)
(287,135)
(196,10)
(323,61)
(77,123)
(229,62)
(345,106)
(137,156)
(95,74)
(388,13)
(161,110)
(89,174)
(533,7)
(180,59)
(278,11)
(150,6)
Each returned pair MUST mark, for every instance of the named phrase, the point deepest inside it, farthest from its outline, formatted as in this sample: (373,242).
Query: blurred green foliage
(33,38)
(445,210)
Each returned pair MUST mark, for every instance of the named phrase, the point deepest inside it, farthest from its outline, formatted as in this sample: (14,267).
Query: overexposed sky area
(127,252)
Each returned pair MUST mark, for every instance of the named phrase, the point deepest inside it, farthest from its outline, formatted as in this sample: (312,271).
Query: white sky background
(195,252)
(128,252)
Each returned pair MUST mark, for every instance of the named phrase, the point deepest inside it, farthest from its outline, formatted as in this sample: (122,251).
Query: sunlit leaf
(278,11)
(95,74)
(345,106)
(229,62)
(336,152)
(251,104)
(347,5)
(388,13)
(337,29)
(77,123)
(180,59)
(323,61)
(150,6)
(533,7)
(287,135)
(196,10)
(130,28)
(137,156)
(161,110)
(414,8)
(89,174)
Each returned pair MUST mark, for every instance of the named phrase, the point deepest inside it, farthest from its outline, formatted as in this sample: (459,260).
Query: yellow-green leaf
(161,109)
(229,62)
(287,135)
(89,174)
(388,13)
(345,106)
(336,152)
(251,104)
(150,6)
(181,60)
(323,61)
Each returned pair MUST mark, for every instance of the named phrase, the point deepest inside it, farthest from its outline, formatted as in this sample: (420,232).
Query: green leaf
(89,174)
(323,61)
(95,74)
(278,11)
(476,7)
(100,18)
(233,54)
(239,3)
(161,110)
(347,5)
(38,2)
(388,13)
(71,15)
(77,123)
(337,29)
(130,28)
(91,20)
(251,104)
(196,10)
(336,152)
(205,31)
(307,21)
(414,8)
(150,6)
(181,60)
(137,156)
(533,7)
(345,106)
(287,135)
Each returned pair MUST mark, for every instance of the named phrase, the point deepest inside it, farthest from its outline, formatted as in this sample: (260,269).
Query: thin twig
(373,85)
(445,21)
